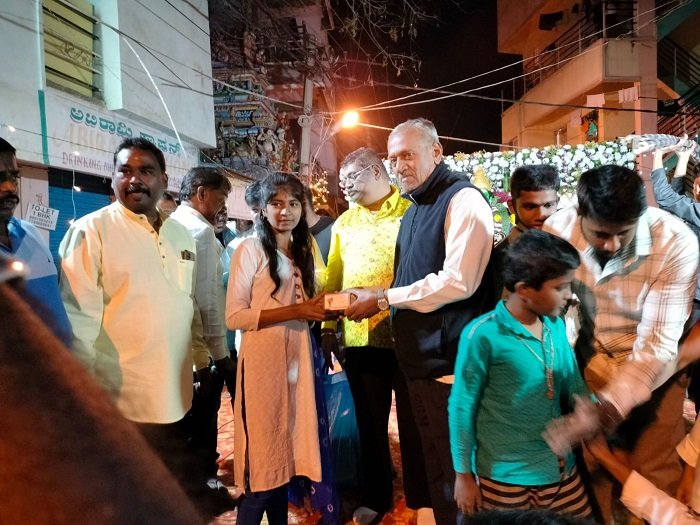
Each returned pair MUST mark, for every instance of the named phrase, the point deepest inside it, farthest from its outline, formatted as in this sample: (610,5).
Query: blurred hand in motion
(563,433)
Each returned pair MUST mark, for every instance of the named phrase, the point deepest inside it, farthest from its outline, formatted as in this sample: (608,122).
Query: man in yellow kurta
(363,240)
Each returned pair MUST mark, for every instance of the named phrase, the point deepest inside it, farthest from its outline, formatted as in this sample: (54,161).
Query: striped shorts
(567,496)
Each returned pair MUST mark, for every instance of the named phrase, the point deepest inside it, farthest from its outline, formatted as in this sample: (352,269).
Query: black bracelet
(610,418)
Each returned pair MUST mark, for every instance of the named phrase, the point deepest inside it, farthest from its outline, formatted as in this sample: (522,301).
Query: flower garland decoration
(570,161)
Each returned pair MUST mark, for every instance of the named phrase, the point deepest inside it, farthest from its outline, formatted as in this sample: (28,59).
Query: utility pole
(305,120)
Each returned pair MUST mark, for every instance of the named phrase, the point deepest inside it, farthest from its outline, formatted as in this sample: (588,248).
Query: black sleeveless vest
(426,343)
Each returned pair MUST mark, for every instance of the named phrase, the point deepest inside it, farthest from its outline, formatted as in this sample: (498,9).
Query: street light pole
(305,121)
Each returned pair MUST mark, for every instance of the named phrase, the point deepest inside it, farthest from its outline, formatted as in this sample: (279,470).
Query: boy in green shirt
(515,372)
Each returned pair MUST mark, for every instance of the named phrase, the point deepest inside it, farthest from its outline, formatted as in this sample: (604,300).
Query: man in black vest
(440,284)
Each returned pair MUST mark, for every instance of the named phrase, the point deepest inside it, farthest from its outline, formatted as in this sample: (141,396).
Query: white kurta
(128,294)
(275,420)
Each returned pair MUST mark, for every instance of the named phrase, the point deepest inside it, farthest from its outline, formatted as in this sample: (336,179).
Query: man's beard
(8,204)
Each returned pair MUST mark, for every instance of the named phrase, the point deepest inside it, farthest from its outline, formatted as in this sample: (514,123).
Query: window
(69,56)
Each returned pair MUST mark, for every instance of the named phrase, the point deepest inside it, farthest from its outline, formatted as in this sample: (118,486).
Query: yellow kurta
(362,254)
(275,420)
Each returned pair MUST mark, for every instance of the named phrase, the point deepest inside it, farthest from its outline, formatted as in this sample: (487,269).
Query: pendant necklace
(548,369)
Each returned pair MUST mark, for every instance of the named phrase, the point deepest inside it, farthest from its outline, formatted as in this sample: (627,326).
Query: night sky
(461,45)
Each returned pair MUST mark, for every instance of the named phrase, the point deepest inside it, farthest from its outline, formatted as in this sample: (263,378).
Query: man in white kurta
(127,284)
(128,290)
(128,287)
(203,193)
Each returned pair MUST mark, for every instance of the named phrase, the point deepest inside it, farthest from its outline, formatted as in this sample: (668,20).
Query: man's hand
(617,466)
(363,303)
(467,494)
(599,449)
(226,368)
(204,385)
(329,345)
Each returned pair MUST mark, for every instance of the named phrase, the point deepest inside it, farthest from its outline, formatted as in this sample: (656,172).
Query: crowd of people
(543,376)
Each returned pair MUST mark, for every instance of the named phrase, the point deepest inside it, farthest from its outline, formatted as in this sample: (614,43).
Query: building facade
(79,76)
(595,70)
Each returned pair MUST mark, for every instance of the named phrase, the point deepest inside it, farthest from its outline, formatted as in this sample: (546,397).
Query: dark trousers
(202,420)
(170,443)
(252,505)
(429,402)
(694,368)
(372,375)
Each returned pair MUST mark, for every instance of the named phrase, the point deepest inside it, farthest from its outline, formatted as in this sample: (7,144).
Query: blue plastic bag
(345,438)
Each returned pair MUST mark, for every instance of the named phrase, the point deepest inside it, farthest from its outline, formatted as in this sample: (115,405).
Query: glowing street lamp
(350,119)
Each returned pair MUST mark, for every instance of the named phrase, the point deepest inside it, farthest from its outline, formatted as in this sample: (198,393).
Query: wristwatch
(382,302)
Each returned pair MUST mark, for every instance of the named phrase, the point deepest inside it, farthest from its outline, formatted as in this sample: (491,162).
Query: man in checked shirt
(636,285)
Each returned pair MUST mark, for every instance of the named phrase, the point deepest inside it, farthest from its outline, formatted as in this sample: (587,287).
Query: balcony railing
(684,115)
(611,19)
(679,68)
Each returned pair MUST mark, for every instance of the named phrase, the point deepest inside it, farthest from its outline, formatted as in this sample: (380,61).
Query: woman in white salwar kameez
(268,299)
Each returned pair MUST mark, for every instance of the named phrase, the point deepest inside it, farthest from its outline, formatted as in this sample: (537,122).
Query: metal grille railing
(610,19)
(679,67)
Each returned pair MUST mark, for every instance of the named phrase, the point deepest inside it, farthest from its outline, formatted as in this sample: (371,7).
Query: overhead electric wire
(453,94)
(373,107)
(196,44)
(447,137)
(537,56)
(514,101)
(188,18)
(152,51)
(386,104)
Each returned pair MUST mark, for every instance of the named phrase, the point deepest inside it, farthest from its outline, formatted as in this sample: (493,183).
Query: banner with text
(83,136)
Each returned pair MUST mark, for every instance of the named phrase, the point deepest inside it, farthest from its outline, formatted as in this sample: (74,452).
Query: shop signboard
(82,136)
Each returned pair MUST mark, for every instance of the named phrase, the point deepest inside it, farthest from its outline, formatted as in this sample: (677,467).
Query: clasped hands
(363,304)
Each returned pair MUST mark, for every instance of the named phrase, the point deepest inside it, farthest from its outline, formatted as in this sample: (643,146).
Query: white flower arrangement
(570,161)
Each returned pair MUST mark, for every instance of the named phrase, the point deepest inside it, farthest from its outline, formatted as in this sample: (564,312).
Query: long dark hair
(302,251)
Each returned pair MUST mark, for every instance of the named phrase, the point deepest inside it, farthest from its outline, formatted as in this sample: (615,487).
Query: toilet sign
(42,216)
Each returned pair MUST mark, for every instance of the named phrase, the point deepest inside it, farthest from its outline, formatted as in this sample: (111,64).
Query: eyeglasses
(352,177)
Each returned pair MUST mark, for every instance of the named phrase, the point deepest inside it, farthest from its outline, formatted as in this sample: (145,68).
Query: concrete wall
(604,64)
(29,114)
(174,49)
(518,24)
(21,77)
